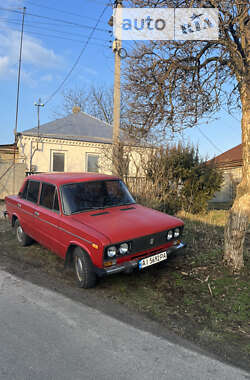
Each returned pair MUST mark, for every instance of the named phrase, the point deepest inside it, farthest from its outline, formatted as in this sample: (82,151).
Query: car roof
(63,178)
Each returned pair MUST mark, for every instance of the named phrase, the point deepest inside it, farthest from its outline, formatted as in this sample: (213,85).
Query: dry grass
(193,294)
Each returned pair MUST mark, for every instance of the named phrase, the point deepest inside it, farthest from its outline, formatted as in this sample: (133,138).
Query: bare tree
(175,84)
(96,101)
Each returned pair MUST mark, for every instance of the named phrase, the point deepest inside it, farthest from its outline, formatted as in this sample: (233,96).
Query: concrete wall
(232,176)
(11,178)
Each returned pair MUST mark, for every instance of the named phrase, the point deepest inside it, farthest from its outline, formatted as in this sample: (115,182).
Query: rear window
(33,191)
(23,194)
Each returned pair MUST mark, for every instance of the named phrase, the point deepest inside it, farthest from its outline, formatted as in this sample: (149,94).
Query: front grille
(148,242)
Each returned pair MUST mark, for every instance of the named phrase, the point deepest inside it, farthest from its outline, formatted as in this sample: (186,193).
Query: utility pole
(38,105)
(17,100)
(19,72)
(117,45)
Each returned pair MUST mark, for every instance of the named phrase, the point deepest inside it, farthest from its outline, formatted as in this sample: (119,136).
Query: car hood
(127,222)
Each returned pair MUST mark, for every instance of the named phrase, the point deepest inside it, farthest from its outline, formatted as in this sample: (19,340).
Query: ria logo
(197,24)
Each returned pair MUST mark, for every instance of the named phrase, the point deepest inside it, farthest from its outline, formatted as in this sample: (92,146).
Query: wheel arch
(70,250)
(13,219)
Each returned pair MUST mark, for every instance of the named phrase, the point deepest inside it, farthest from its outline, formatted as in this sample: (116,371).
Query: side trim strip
(54,225)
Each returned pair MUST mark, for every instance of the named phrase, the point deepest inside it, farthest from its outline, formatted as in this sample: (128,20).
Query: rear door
(48,216)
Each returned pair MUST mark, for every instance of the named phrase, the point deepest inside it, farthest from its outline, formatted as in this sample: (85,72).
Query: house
(230,163)
(76,143)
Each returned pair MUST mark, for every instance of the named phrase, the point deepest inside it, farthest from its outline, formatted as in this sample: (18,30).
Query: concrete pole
(117,98)
(117,92)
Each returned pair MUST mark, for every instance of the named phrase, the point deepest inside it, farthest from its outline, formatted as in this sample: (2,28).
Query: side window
(23,194)
(49,198)
(33,191)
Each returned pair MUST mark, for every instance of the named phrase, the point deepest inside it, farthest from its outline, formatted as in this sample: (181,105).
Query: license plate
(153,260)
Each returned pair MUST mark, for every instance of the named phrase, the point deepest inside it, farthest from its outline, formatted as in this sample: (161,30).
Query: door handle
(36,213)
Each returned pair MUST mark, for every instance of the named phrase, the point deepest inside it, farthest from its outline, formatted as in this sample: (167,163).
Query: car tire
(22,238)
(85,275)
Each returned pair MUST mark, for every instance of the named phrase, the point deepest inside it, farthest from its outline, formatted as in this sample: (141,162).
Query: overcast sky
(55,33)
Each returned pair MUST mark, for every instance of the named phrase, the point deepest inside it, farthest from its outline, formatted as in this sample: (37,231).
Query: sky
(54,35)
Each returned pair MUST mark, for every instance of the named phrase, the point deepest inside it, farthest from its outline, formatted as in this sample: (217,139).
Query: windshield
(83,196)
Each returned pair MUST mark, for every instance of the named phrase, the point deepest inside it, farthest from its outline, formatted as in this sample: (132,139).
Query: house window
(58,161)
(92,163)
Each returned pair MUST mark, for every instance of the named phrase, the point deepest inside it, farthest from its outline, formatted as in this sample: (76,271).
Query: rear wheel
(21,236)
(85,275)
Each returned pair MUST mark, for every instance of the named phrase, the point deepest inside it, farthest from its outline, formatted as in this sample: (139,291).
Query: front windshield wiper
(87,209)
(123,203)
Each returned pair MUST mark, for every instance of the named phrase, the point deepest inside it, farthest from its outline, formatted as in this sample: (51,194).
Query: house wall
(37,153)
(11,178)
(232,176)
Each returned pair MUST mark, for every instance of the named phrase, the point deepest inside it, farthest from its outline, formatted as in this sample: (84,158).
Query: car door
(47,216)
(27,207)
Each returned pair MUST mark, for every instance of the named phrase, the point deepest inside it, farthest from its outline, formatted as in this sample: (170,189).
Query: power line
(6,19)
(34,26)
(55,19)
(78,58)
(58,37)
(209,140)
(58,10)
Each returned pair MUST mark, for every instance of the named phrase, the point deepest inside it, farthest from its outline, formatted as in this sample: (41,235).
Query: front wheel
(85,275)
(21,236)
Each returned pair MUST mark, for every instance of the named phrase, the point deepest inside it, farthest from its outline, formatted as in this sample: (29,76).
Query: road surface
(46,336)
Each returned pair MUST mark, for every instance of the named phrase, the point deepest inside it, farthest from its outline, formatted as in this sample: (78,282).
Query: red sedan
(93,223)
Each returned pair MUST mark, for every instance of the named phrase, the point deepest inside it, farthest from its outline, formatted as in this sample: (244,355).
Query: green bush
(182,179)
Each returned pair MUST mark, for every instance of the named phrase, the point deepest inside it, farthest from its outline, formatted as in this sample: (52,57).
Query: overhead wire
(35,26)
(54,19)
(58,37)
(209,140)
(78,58)
(59,10)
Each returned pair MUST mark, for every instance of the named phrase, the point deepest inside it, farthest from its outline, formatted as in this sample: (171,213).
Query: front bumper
(129,266)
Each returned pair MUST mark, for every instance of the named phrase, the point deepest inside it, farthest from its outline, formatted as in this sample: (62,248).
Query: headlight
(123,249)
(170,235)
(176,232)
(111,251)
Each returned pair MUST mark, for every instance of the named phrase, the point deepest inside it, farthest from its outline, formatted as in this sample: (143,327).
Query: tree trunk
(238,219)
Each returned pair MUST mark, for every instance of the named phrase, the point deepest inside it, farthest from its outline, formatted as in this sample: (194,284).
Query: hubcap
(79,268)
(19,233)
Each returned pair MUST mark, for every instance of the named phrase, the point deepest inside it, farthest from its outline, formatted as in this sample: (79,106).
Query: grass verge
(192,294)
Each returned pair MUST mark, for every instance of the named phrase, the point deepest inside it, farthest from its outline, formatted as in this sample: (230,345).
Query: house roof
(230,158)
(76,126)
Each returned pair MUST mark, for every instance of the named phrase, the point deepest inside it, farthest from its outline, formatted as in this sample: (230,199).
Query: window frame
(39,188)
(52,160)
(87,156)
(55,193)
